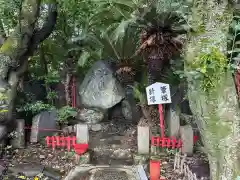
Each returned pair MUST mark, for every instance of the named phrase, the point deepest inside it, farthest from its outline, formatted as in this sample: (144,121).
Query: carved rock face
(100,89)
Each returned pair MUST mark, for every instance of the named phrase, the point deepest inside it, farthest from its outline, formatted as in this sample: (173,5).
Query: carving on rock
(100,88)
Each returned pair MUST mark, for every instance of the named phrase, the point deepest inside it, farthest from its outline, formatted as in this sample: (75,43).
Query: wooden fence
(182,167)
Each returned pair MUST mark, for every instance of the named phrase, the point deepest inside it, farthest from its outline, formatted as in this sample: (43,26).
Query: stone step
(107,172)
(109,149)
(106,160)
(105,141)
(114,153)
(111,156)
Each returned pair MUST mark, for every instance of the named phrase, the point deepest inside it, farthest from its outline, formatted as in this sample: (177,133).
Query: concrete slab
(89,172)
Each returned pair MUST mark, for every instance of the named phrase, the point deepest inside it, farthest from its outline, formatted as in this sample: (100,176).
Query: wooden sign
(158,93)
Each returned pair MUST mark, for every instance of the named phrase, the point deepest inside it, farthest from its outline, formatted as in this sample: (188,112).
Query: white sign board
(158,93)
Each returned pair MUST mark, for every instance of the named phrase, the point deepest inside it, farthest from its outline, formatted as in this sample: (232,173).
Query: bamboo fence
(182,167)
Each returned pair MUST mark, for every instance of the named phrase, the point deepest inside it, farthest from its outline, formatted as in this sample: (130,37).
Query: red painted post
(160,110)
(58,143)
(155,141)
(174,141)
(74,141)
(62,140)
(195,138)
(53,142)
(48,139)
(69,143)
(154,170)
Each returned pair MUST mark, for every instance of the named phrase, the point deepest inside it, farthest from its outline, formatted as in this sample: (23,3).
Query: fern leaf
(83,58)
(120,31)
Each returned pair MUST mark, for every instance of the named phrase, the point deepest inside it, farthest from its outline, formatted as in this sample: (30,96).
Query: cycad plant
(152,29)
(155,28)
(118,25)
(159,41)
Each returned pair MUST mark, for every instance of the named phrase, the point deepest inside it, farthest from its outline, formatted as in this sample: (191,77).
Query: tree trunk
(67,86)
(15,51)
(10,53)
(211,89)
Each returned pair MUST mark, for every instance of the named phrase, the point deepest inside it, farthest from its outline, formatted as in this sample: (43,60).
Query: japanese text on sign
(158,93)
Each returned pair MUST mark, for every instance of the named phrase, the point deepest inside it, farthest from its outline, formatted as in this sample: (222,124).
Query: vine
(210,66)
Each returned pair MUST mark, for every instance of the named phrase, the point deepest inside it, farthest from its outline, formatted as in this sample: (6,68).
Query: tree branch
(39,36)
(2,34)
(29,13)
(48,26)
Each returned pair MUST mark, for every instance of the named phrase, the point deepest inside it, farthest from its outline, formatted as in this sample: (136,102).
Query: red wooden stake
(154,170)
(160,110)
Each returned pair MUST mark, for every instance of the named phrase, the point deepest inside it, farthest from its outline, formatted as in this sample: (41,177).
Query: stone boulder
(100,89)
(90,116)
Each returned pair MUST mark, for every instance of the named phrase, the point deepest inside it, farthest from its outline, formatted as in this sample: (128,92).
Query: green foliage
(234,42)
(209,67)
(9,13)
(52,77)
(3,96)
(139,92)
(90,30)
(51,95)
(35,107)
(175,73)
(65,113)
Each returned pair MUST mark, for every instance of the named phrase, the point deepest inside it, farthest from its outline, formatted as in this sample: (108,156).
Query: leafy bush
(65,113)
(139,93)
(35,107)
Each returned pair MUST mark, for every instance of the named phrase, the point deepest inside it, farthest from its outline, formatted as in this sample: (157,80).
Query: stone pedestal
(143,139)
(41,122)
(82,134)
(186,134)
(173,121)
(18,140)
